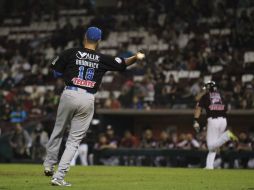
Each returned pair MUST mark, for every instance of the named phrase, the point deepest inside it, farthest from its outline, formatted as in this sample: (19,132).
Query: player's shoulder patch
(118,60)
(55,60)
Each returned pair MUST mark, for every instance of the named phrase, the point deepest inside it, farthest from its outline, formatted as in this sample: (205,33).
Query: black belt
(215,117)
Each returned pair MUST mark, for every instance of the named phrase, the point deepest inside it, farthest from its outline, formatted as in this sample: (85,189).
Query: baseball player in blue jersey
(82,70)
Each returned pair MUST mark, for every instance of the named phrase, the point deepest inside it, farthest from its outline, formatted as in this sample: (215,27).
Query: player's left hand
(196,126)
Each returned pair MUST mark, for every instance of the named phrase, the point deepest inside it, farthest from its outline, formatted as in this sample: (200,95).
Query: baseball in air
(140,55)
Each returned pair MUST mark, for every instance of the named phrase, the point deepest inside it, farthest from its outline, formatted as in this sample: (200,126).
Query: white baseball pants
(76,109)
(216,137)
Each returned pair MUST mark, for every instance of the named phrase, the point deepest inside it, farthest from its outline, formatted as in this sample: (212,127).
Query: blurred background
(143,116)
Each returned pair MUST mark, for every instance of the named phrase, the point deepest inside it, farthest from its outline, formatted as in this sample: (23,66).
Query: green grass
(30,177)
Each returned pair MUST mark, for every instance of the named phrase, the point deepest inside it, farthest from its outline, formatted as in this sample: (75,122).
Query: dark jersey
(213,103)
(84,68)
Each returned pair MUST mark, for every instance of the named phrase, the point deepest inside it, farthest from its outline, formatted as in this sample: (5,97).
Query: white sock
(210,159)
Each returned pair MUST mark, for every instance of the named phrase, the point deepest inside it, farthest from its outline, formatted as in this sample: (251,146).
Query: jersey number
(89,73)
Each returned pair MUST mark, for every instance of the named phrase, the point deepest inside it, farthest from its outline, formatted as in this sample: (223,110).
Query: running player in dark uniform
(216,109)
(82,70)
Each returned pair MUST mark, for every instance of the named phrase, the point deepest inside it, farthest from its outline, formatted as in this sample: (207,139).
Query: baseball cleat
(207,168)
(232,136)
(48,172)
(60,182)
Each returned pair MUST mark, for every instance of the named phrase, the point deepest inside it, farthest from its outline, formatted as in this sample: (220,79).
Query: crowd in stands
(188,43)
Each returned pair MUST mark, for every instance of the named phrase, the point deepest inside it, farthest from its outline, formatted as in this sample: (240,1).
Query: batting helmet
(210,86)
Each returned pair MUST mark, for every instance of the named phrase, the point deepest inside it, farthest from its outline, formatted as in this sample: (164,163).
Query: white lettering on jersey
(216,102)
(82,54)
(118,60)
(89,56)
(215,98)
(87,63)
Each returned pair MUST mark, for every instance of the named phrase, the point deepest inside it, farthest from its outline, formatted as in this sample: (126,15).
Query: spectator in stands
(195,88)
(173,140)
(67,31)
(244,144)
(137,103)
(124,52)
(227,162)
(187,142)
(170,90)
(79,30)
(115,104)
(201,138)
(39,141)
(147,142)
(149,94)
(139,92)
(248,97)
(126,95)
(36,96)
(159,96)
(129,141)
(104,143)
(51,99)
(9,82)
(20,142)
(5,113)
(49,52)
(112,102)
(237,93)
(162,143)
(111,136)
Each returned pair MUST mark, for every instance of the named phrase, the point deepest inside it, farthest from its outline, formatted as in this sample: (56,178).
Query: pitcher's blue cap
(93,34)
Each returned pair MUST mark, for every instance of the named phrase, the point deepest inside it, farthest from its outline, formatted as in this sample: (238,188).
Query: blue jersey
(84,68)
